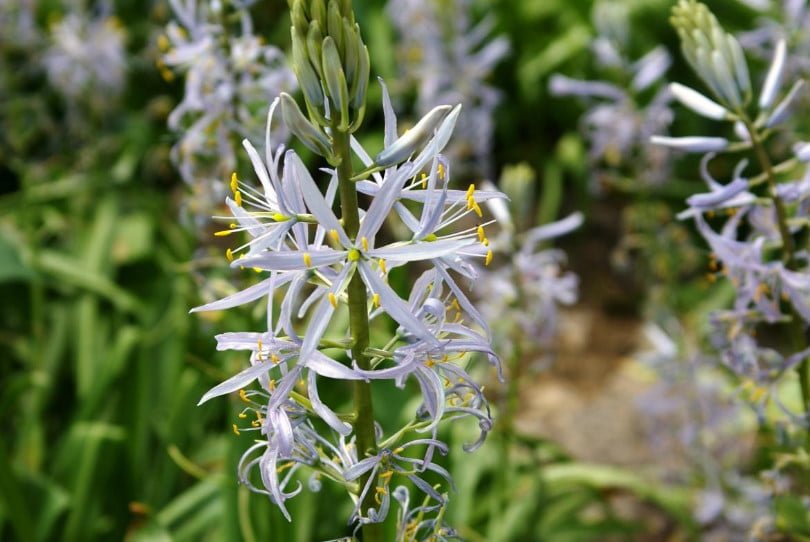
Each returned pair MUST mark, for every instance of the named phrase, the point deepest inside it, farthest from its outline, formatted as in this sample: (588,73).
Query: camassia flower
(295,237)
(756,248)
(229,75)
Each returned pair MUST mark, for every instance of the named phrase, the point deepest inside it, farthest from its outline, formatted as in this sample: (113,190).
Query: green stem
(797,332)
(358,325)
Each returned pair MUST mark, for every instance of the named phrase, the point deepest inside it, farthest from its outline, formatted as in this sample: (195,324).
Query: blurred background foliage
(102,366)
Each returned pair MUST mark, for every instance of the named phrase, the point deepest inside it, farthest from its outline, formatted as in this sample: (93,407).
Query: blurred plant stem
(798,337)
(358,324)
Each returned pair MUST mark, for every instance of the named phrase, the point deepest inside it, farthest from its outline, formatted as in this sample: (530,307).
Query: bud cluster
(715,55)
(332,65)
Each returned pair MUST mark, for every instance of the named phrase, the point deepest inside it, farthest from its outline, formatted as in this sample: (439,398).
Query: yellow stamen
(235,430)
(477,209)
(364,243)
(481,234)
(242,415)
(271,385)
(332,300)
(259,354)
(307,259)
(243,396)
(258,269)
(440,169)
(354,255)
(223,233)
(423,181)
(234,182)
(333,234)
(237,198)
(229,255)
(383,267)
(274,358)
(470,191)
(488,258)
(163,43)
(375,299)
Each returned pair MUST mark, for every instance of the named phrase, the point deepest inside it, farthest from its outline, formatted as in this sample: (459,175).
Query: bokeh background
(621,428)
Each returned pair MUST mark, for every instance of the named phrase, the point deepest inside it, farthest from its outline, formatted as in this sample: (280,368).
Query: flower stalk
(358,324)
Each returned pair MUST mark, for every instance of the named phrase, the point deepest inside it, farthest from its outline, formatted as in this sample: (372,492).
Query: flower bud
(335,81)
(334,22)
(311,136)
(359,83)
(413,139)
(307,78)
(299,17)
(314,42)
(698,103)
(317,12)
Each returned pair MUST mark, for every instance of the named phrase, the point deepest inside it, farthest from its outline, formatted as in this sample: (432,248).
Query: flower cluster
(525,292)
(618,127)
(447,59)
(790,20)
(320,266)
(229,74)
(86,53)
(756,248)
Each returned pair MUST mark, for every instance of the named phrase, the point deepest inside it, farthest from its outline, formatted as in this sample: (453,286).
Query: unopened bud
(334,22)
(311,136)
(336,81)
(308,80)
(413,139)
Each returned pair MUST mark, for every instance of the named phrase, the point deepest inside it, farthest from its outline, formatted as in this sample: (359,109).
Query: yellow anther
(259,349)
(475,207)
(271,385)
(243,396)
(223,233)
(242,415)
(167,74)
(398,451)
(163,43)
(234,182)
(332,300)
(383,267)
(307,259)
(278,217)
(387,475)
(431,237)
(485,242)
(481,233)
(235,430)
(375,299)
(364,243)
(257,269)
(488,257)
(233,225)
(237,198)
(440,169)
(256,423)
(274,358)
(430,362)
(470,191)
(229,255)
(333,234)
(423,181)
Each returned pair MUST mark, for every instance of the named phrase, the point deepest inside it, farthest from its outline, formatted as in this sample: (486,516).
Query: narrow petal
(292,260)
(773,81)
(394,305)
(691,144)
